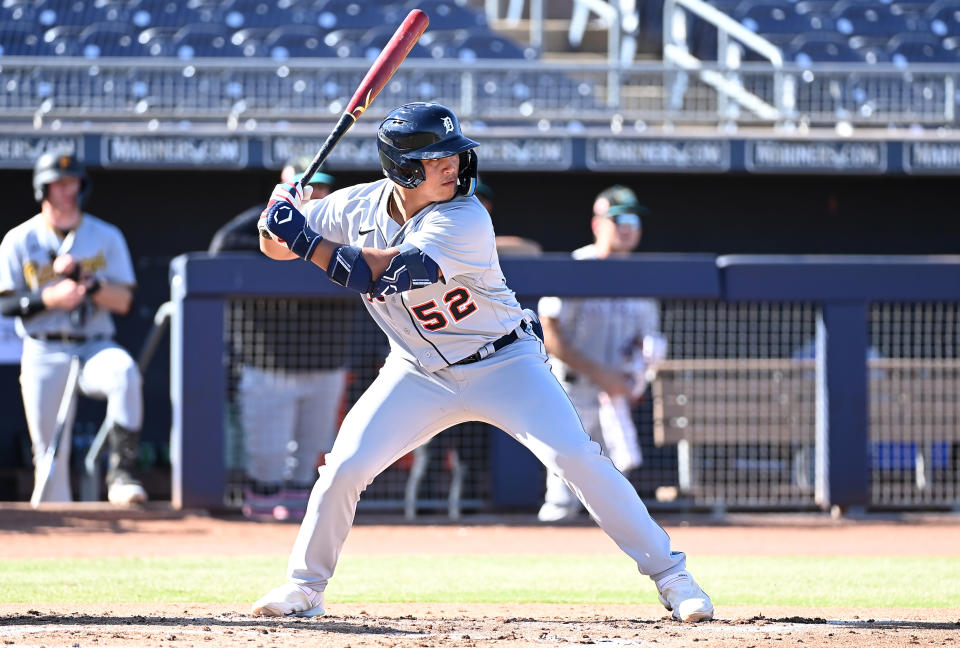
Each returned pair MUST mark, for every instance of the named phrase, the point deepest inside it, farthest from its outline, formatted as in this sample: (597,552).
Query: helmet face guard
(424,131)
(53,166)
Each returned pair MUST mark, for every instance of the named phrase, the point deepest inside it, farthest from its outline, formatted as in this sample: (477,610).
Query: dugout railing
(797,382)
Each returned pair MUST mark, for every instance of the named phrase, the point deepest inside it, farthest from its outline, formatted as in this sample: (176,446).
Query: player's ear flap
(468,173)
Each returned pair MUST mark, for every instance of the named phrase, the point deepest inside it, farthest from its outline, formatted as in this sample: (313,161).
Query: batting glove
(292,194)
(286,223)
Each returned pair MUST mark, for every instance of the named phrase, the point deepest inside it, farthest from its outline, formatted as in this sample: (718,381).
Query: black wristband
(31,303)
(94,286)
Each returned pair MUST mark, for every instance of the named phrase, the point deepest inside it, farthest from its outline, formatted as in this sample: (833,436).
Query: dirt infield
(94,530)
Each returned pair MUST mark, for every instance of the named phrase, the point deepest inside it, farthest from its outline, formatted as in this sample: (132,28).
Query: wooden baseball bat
(377,77)
(48,461)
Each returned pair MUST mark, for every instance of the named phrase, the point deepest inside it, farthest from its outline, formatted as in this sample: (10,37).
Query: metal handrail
(723,81)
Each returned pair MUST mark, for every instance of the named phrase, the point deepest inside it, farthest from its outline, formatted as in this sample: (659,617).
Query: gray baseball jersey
(26,263)
(421,390)
(439,324)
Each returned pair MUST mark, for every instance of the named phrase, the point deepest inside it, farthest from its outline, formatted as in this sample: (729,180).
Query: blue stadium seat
(350,14)
(372,42)
(912,11)
(62,40)
(170,13)
(158,41)
(297,41)
(473,46)
(250,40)
(440,43)
(203,39)
(872,20)
(915,47)
(64,12)
(19,11)
(109,39)
(776,18)
(450,14)
(344,42)
(266,13)
(944,18)
(20,39)
(821,47)
(869,49)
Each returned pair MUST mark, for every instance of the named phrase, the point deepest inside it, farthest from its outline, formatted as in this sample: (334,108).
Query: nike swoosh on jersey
(366,231)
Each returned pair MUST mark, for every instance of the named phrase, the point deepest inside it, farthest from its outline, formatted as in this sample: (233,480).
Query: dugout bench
(737,416)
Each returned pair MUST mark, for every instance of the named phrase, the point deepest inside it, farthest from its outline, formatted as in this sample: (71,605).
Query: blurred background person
(601,348)
(64,273)
(289,400)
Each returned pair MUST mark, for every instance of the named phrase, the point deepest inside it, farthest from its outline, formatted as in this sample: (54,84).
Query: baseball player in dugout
(601,349)
(307,374)
(419,248)
(64,274)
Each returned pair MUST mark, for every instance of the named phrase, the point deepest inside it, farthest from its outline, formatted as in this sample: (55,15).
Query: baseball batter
(596,348)
(420,248)
(63,273)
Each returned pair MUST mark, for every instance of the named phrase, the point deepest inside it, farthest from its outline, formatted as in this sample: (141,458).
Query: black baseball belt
(488,350)
(71,338)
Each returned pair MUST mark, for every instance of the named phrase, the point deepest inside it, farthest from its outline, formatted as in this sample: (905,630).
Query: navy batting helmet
(424,131)
(53,165)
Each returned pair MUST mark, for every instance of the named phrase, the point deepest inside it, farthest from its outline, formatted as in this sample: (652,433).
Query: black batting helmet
(53,165)
(424,131)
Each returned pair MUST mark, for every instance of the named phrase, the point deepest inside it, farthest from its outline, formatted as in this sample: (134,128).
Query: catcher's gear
(52,166)
(424,131)
(409,269)
(285,222)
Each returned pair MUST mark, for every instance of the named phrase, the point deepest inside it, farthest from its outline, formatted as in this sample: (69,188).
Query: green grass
(801,581)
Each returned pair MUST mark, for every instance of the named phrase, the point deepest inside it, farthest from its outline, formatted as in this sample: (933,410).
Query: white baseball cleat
(289,599)
(556,513)
(680,594)
(124,492)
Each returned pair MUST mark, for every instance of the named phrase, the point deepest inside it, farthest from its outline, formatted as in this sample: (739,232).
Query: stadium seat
(869,49)
(203,39)
(872,20)
(59,12)
(19,39)
(250,40)
(18,11)
(821,47)
(372,42)
(170,13)
(266,13)
(473,46)
(450,14)
(109,39)
(296,41)
(915,47)
(441,42)
(158,41)
(350,14)
(944,18)
(776,18)
(344,42)
(62,40)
